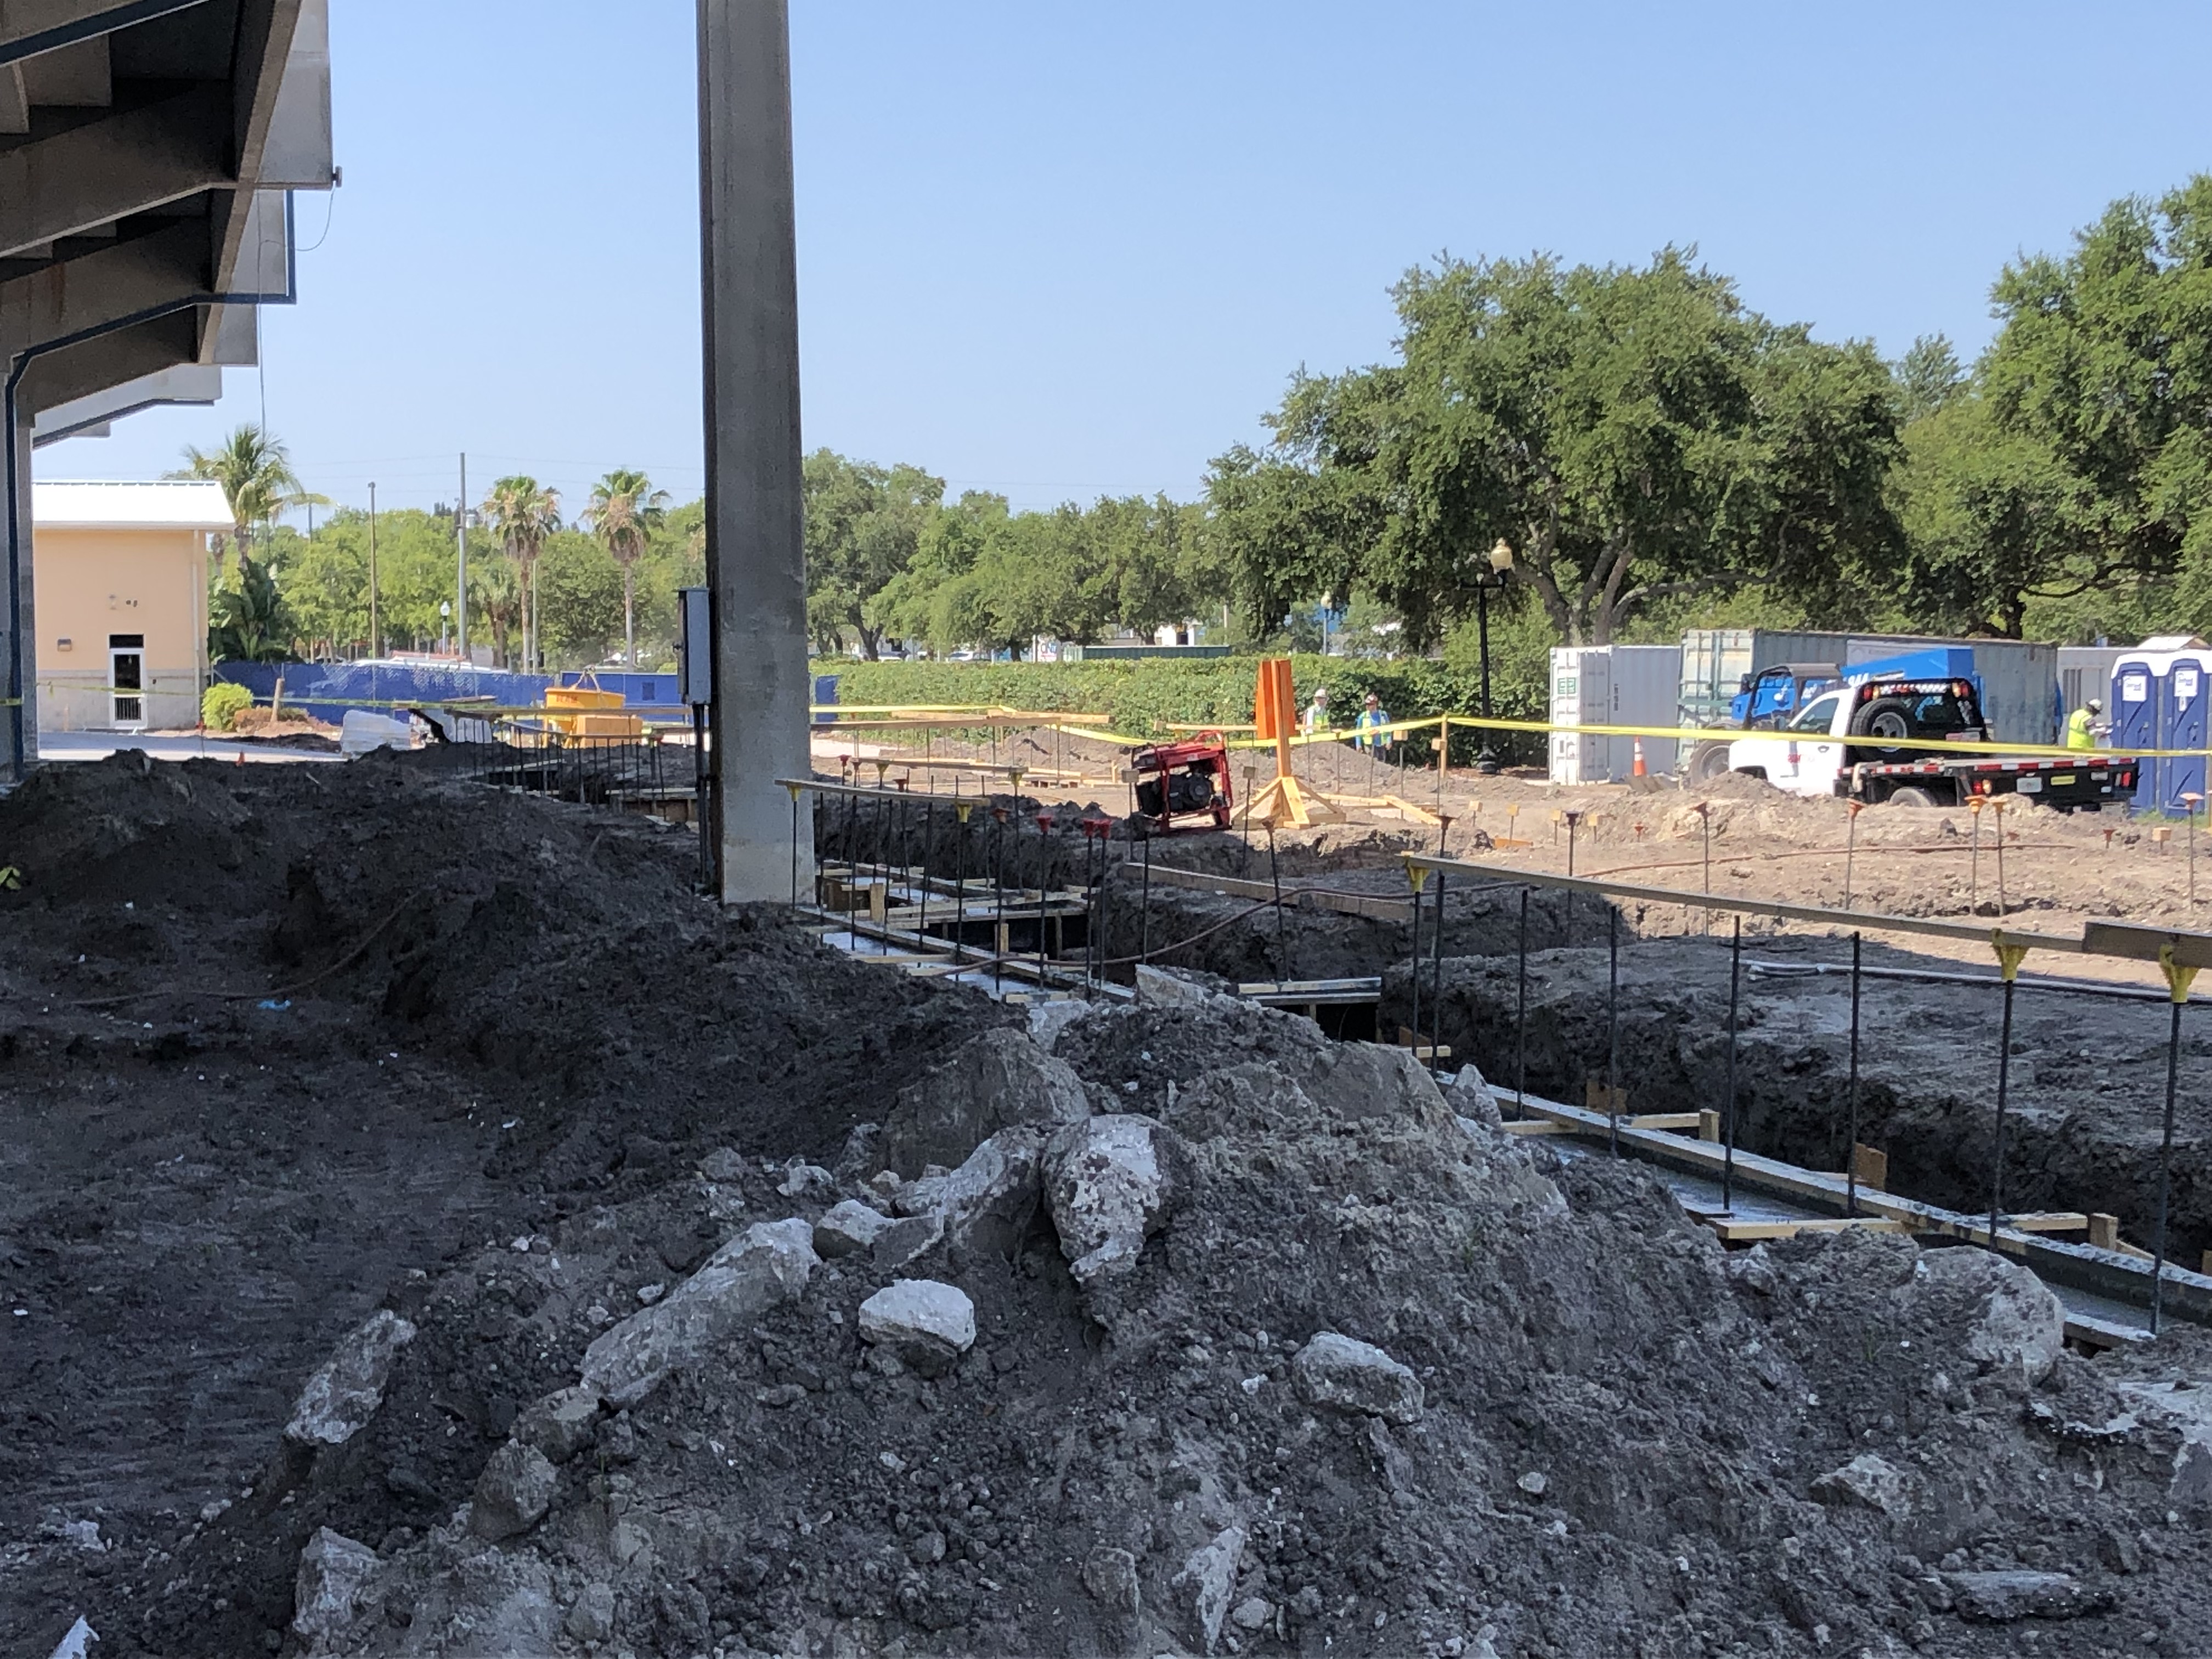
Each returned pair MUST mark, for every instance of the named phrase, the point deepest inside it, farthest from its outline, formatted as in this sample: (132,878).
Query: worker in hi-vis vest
(2083,728)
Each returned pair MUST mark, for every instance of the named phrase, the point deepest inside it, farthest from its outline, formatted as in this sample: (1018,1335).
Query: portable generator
(1180,786)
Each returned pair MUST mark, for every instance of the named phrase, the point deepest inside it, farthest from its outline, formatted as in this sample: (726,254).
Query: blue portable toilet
(2185,691)
(2137,715)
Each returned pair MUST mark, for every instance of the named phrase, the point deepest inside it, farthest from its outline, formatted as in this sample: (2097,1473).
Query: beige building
(119,582)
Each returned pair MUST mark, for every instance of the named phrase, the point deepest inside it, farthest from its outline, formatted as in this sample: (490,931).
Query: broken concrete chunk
(1999,1598)
(1171,988)
(1048,1019)
(850,1226)
(804,1180)
(345,1391)
(1253,1613)
(1869,1482)
(330,1591)
(1338,1374)
(1109,1185)
(563,1424)
(764,1265)
(592,1615)
(722,1165)
(906,1241)
(987,1202)
(1203,1588)
(1110,1575)
(1000,1078)
(513,1492)
(2019,1326)
(1472,1097)
(927,1324)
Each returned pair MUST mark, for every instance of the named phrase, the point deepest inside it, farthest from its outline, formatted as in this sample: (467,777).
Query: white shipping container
(1611,685)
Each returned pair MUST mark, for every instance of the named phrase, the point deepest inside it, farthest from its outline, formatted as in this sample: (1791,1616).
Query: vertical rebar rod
(1043,856)
(1521,1020)
(1282,938)
(1974,859)
(2004,1084)
(794,847)
(1437,960)
(1851,1096)
(1145,907)
(928,848)
(851,865)
(2165,1163)
(1612,1028)
(998,941)
(2000,886)
(959,880)
(1728,1103)
(1419,889)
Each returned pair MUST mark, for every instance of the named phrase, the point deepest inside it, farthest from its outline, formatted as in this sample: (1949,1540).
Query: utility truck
(1863,740)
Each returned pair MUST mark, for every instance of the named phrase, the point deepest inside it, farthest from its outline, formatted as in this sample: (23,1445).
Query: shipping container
(1611,685)
(2086,671)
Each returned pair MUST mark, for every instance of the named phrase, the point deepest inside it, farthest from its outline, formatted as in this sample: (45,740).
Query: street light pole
(1501,567)
(375,634)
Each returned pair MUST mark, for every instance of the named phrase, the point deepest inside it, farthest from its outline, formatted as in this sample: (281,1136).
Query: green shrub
(1144,696)
(220,705)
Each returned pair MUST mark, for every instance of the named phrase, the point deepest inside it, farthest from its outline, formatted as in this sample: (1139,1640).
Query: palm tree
(625,510)
(495,590)
(258,482)
(522,514)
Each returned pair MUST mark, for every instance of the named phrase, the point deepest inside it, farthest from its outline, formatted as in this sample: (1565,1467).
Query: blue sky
(1062,251)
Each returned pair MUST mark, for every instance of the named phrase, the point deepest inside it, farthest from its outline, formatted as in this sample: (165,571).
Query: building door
(126,681)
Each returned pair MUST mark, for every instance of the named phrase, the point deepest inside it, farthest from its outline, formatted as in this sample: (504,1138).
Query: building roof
(171,504)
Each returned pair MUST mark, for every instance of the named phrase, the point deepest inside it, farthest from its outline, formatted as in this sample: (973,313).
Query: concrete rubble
(344,1392)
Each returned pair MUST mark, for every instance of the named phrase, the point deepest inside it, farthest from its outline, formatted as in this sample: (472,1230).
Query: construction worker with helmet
(2083,727)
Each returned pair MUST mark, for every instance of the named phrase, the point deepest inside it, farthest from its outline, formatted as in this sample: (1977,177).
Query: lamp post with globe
(1500,572)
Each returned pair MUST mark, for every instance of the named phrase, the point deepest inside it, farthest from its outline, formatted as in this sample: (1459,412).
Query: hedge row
(1144,696)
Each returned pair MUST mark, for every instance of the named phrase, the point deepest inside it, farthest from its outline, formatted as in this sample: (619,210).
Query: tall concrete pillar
(19,716)
(755,555)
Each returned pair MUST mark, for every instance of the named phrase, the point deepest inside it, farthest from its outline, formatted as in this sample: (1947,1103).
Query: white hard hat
(2095,707)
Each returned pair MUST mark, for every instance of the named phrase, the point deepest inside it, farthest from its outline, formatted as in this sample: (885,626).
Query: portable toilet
(2136,713)
(2187,680)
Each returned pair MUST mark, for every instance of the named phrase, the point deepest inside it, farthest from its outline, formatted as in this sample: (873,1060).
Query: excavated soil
(282,1048)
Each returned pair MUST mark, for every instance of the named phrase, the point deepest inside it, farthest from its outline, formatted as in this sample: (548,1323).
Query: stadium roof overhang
(149,149)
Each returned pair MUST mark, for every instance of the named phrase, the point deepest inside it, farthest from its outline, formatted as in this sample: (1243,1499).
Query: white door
(126,682)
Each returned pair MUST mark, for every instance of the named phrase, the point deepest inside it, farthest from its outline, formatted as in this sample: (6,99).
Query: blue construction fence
(326,691)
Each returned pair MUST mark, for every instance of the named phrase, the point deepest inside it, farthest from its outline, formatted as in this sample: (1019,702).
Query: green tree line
(1653,453)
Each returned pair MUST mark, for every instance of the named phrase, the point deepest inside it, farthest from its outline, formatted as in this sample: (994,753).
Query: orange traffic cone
(1639,770)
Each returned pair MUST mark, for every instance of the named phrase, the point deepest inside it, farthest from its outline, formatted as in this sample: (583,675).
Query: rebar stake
(1851,1096)
(1612,1028)
(1728,1115)
(1850,845)
(794,843)
(1437,1002)
(1144,908)
(1419,877)
(961,809)
(1282,938)
(1521,1020)
(2178,981)
(2008,961)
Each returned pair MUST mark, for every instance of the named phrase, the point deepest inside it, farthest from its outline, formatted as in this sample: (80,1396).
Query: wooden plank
(1709,1126)
(1871,1166)
(2104,1230)
(1538,1126)
(1747,1232)
(2049,1221)
(1668,1121)
(1594,1096)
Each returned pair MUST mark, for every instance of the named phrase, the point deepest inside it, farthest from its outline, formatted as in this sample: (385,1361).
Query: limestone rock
(490,1601)
(766,1264)
(1168,987)
(850,1226)
(1110,1575)
(997,1079)
(1109,1182)
(987,1204)
(592,1615)
(927,1324)
(330,1591)
(1048,1019)
(1203,1588)
(346,1390)
(804,1180)
(1869,1482)
(906,1241)
(1999,1598)
(1337,1374)
(2017,1327)
(1471,1096)
(513,1492)
(563,1424)
(1251,1613)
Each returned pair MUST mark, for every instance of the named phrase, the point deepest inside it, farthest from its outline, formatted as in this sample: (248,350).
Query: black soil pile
(271,1037)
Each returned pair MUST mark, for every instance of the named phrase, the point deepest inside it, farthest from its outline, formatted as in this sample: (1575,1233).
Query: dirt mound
(1370,1381)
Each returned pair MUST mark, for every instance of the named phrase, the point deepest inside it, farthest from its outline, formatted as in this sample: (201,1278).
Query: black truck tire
(1910,794)
(1707,762)
(1885,717)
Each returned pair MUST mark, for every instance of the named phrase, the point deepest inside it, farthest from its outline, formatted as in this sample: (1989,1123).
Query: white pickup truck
(1835,745)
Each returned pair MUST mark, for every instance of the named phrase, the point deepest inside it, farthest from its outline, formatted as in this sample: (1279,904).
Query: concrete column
(19,720)
(755,554)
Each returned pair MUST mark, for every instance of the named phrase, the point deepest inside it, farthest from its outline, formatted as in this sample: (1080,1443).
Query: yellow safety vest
(2078,735)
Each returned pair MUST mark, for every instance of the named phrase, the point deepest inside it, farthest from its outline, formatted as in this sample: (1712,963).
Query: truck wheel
(1707,762)
(1885,717)
(1910,795)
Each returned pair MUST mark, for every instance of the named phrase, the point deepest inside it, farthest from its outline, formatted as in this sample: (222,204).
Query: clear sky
(1060,252)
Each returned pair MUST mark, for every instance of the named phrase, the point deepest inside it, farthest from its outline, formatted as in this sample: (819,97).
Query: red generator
(1180,786)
